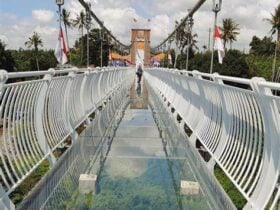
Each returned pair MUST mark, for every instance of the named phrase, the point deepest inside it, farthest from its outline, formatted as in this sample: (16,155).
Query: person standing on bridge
(139,72)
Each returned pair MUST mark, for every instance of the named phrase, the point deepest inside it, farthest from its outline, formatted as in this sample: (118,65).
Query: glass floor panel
(137,173)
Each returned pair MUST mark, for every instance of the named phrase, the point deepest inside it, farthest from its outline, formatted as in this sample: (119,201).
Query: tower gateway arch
(140,46)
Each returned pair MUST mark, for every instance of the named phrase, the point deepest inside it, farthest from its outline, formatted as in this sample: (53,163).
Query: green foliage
(234,64)
(6,60)
(262,47)
(201,62)
(262,65)
(236,197)
(95,49)
(25,59)
(24,188)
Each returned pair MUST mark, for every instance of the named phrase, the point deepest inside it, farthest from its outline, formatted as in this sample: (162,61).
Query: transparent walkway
(138,172)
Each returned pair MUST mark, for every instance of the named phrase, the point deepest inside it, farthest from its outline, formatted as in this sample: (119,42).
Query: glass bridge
(111,143)
(138,170)
(140,162)
(114,144)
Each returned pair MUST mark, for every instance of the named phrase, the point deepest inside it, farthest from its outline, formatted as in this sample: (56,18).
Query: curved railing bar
(238,125)
(40,113)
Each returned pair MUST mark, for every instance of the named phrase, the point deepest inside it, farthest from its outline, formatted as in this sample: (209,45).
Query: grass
(236,197)
(25,187)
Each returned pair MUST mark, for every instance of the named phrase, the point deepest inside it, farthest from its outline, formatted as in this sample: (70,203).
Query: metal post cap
(3,75)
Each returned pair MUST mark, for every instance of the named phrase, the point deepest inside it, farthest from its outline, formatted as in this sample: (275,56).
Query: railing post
(3,78)
(5,202)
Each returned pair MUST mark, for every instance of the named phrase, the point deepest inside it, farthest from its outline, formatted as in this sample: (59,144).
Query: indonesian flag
(61,49)
(219,45)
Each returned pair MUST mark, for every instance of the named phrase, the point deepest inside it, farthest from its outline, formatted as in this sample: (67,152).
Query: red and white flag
(218,44)
(61,49)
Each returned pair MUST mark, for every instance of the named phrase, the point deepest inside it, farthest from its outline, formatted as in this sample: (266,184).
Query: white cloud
(4,39)
(43,16)
(8,16)
(118,18)
(18,33)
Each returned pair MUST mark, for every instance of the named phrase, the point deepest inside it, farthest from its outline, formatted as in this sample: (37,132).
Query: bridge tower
(140,46)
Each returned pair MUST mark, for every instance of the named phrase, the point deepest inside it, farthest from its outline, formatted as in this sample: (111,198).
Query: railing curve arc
(237,121)
(38,115)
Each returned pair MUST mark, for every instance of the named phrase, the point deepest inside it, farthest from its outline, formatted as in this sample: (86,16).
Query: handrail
(239,127)
(38,115)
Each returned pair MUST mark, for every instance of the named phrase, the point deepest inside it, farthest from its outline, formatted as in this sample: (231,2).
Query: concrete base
(87,183)
(189,188)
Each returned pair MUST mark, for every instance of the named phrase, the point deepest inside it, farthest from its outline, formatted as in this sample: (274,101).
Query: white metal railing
(237,121)
(38,115)
(173,133)
(59,187)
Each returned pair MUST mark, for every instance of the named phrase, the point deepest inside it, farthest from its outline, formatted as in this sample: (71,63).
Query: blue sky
(23,8)
(20,18)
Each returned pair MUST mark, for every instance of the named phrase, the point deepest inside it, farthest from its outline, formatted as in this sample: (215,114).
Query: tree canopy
(6,60)
(229,31)
(262,47)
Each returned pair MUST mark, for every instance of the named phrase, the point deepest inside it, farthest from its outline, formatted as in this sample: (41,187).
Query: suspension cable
(190,14)
(102,26)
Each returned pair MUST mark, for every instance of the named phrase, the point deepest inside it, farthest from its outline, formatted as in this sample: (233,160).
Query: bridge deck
(137,174)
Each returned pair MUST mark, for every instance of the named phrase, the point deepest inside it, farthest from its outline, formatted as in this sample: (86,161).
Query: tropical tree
(229,31)
(80,22)
(262,47)
(183,37)
(35,41)
(275,23)
(94,43)
(67,24)
(6,59)
(193,41)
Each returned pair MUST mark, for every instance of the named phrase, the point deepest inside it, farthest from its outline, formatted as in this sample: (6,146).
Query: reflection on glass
(138,90)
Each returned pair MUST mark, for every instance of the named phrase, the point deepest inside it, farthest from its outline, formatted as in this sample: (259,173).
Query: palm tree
(67,24)
(35,41)
(80,22)
(229,31)
(193,39)
(182,37)
(275,23)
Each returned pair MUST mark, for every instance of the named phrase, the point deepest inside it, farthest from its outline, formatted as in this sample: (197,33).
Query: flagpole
(190,25)
(216,9)
(101,46)
(88,21)
(59,11)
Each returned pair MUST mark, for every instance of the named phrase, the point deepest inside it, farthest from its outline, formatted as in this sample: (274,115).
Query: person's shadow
(138,90)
